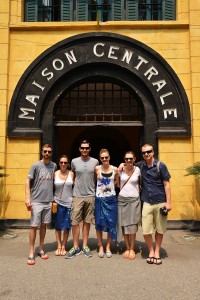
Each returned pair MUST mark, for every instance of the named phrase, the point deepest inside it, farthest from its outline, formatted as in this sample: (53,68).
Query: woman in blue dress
(106,202)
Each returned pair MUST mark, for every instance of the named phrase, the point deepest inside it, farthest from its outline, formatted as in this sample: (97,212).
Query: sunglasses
(128,158)
(104,157)
(147,152)
(47,151)
(85,148)
(64,162)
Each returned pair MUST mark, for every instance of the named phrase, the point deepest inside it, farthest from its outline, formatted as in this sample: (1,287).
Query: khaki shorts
(82,210)
(40,214)
(152,220)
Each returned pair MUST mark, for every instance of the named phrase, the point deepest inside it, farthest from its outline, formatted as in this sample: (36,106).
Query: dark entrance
(116,139)
(102,111)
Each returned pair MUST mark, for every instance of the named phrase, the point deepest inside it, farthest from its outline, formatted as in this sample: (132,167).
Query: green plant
(194,170)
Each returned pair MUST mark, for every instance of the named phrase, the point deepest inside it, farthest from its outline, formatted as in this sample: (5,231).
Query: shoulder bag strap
(127,180)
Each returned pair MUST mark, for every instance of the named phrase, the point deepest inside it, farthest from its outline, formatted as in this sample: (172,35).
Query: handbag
(54,207)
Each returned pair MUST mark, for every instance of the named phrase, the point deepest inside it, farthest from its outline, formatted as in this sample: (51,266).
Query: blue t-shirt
(153,191)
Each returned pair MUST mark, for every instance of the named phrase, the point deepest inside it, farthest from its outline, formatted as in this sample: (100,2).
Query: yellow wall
(178,42)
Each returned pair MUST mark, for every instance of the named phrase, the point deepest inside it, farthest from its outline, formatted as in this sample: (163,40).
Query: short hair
(103,150)
(129,152)
(146,145)
(85,142)
(47,146)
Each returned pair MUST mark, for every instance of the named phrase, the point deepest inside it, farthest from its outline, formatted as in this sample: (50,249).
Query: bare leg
(85,232)
(158,243)
(76,234)
(100,240)
(109,240)
(149,241)
(132,241)
(32,237)
(58,238)
(42,235)
(65,238)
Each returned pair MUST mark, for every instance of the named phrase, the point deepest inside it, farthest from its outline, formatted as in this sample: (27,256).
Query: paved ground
(94,278)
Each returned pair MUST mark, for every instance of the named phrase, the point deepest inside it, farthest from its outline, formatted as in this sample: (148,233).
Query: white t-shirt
(131,188)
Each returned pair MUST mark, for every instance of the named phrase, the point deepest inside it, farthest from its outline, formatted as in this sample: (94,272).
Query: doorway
(117,139)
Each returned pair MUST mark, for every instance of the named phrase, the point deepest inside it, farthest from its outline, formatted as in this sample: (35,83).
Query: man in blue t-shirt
(155,195)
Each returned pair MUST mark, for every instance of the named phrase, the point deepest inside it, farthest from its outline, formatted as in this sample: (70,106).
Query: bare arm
(168,194)
(28,192)
(116,177)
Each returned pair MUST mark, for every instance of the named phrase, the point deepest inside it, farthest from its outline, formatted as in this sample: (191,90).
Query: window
(102,10)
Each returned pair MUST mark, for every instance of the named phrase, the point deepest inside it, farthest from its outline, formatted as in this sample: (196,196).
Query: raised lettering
(151,71)
(31,99)
(38,85)
(49,74)
(142,60)
(163,96)
(58,62)
(160,84)
(111,52)
(95,50)
(25,114)
(127,56)
(169,112)
(71,58)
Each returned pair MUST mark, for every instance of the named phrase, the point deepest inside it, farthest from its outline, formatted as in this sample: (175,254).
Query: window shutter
(67,10)
(118,10)
(31,11)
(169,10)
(132,10)
(82,10)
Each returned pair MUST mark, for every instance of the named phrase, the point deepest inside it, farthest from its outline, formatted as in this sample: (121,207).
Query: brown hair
(146,145)
(129,152)
(85,142)
(47,146)
(64,156)
(103,150)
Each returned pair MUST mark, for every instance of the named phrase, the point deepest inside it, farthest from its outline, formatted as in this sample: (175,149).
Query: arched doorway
(101,111)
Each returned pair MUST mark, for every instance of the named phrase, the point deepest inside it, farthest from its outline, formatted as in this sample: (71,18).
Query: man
(155,195)
(39,194)
(83,198)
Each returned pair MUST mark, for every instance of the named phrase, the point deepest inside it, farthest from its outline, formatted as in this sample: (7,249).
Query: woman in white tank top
(63,183)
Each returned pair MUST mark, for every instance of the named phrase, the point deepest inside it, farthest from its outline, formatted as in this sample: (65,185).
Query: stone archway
(166,108)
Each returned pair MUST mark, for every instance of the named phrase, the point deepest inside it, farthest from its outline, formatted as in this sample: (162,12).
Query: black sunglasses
(85,148)
(63,162)
(104,157)
(47,151)
(148,152)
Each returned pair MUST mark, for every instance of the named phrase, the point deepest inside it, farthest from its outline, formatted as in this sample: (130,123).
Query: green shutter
(169,9)
(31,11)
(82,10)
(132,10)
(67,10)
(118,10)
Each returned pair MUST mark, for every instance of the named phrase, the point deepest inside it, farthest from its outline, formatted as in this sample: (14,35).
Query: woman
(106,202)
(63,183)
(129,204)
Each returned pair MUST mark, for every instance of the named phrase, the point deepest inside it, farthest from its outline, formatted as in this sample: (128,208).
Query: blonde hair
(103,150)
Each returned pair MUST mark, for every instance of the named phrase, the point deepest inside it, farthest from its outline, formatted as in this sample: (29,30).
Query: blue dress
(106,205)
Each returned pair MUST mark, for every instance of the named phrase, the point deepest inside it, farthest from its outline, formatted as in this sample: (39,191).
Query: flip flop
(150,260)
(156,262)
(43,255)
(31,261)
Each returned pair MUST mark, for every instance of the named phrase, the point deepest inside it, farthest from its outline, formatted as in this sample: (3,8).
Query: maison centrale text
(101,51)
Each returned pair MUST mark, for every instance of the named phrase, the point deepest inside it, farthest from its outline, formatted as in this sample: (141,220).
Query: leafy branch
(194,170)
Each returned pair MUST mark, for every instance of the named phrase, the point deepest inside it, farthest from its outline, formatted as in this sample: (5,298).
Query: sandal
(131,255)
(63,252)
(31,261)
(157,261)
(150,260)
(101,254)
(108,254)
(43,255)
(126,254)
(58,252)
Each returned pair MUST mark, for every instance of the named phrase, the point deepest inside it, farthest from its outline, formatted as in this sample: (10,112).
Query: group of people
(88,191)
